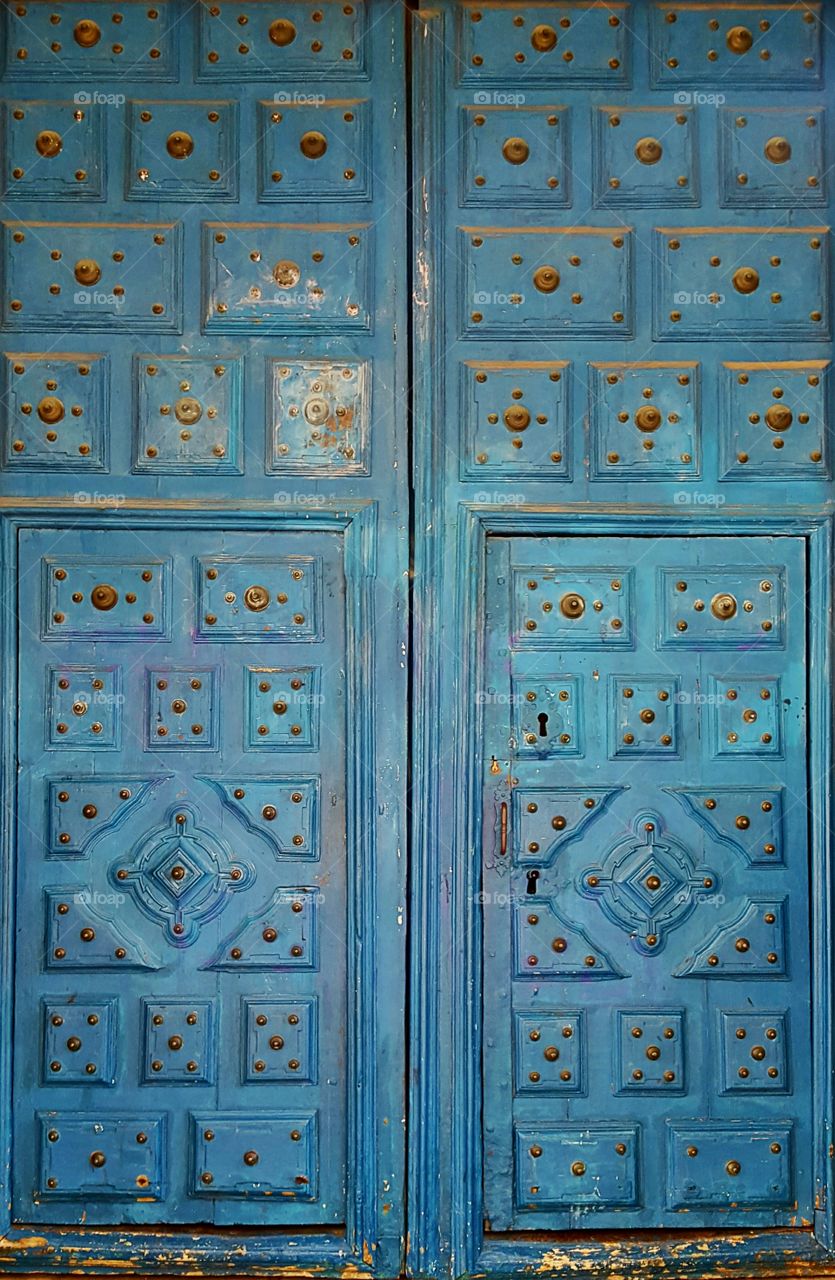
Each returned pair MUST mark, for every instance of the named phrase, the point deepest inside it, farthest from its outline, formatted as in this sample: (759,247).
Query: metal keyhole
(533,876)
(543,724)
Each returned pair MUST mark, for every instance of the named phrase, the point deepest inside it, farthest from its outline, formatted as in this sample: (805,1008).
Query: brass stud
(515,150)
(546,279)
(86,33)
(313,144)
(746,280)
(179,144)
(778,150)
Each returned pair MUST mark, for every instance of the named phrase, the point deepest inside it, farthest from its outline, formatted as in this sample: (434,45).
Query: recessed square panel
(650,1054)
(56,412)
(281,1041)
(84,707)
(643,716)
(549,1052)
(755,1052)
(314,149)
(775,420)
(722,608)
(271,277)
(242,598)
(92,276)
(53,151)
(255,1154)
(645,156)
(283,706)
(324,40)
(725,1166)
(188,414)
(100,47)
(735,45)
(182,151)
(319,417)
(645,421)
(547,715)
(179,1045)
(555,608)
(550,282)
(548,44)
(745,716)
(592,1165)
(515,419)
(515,154)
(183,708)
(772,157)
(87,597)
(739,283)
(79,1041)
(90,1155)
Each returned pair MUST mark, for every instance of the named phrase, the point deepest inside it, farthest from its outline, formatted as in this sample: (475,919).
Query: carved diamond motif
(181,875)
(648,883)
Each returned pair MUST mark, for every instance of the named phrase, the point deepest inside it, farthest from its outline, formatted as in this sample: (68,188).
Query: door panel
(646,887)
(192,880)
(205,502)
(623,357)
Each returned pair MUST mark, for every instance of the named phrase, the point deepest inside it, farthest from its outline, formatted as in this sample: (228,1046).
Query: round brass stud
(86,33)
(739,39)
(286,273)
(517,418)
(98,1158)
(104,597)
(188,410)
(746,279)
(313,144)
(778,150)
(48,143)
(723,606)
(572,605)
(648,418)
(778,417)
(179,144)
(282,32)
(648,150)
(516,150)
(546,279)
(87,271)
(544,38)
(50,409)
(256,598)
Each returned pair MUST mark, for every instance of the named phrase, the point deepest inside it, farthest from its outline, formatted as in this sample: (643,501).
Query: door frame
(371,1242)
(451,819)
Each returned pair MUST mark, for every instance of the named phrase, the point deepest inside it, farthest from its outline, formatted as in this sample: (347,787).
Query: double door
(416,518)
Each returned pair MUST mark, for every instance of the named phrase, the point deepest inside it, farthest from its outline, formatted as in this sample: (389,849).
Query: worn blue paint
(612,408)
(204,454)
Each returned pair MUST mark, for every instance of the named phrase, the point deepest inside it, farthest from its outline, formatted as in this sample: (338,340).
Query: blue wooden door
(622,858)
(205,538)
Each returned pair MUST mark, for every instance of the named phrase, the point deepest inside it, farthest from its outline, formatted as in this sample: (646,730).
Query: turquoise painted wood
(204,469)
(623,402)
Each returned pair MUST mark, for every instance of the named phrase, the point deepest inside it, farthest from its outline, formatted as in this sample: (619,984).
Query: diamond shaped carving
(181,875)
(648,883)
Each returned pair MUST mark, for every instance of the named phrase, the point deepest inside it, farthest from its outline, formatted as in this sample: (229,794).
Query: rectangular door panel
(182,865)
(647,1030)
